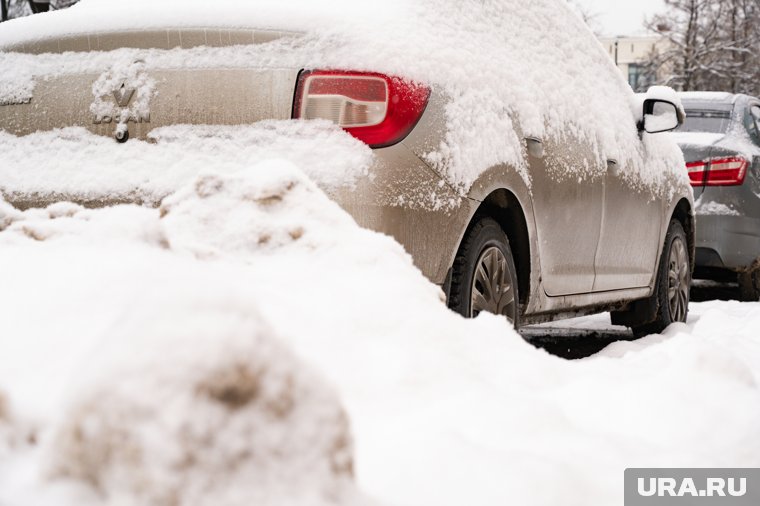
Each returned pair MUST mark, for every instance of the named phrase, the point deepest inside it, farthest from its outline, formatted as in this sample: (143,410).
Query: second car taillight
(377,109)
(718,171)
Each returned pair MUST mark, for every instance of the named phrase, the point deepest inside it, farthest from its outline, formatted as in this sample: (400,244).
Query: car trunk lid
(128,93)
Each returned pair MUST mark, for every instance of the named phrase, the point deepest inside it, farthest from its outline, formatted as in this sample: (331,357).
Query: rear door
(567,206)
(630,233)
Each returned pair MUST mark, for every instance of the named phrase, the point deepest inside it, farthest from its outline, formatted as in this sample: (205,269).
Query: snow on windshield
(508,69)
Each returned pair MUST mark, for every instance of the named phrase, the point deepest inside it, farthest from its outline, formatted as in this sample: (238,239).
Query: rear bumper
(730,242)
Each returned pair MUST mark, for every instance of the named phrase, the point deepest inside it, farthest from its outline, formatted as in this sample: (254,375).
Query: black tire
(485,243)
(663,295)
(749,286)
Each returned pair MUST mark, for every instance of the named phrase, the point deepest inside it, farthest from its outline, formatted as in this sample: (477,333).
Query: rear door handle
(535,147)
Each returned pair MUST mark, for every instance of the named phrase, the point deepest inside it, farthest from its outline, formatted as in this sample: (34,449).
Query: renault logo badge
(123,95)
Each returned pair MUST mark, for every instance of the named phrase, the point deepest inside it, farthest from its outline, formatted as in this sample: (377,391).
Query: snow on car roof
(497,63)
(109,15)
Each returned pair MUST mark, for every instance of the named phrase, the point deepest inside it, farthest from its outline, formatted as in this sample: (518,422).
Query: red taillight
(377,109)
(697,171)
(718,172)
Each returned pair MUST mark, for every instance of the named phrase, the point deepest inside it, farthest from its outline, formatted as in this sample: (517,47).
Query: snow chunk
(16,86)
(212,410)
(8,214)
(242,213)
(714,209)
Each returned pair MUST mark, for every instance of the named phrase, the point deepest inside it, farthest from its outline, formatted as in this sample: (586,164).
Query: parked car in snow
(720,140)
(511,159)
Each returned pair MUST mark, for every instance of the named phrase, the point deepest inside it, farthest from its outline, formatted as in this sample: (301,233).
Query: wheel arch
(503,206)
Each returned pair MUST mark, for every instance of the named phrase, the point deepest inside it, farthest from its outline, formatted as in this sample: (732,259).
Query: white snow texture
(146,357)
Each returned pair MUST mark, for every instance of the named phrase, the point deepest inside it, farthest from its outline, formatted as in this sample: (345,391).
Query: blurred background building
(633,56)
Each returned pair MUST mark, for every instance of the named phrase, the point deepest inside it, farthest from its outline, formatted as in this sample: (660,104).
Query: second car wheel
(749,285)
(672,288)
(483,277)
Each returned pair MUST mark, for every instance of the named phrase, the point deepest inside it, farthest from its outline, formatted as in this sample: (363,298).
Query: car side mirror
(660,116)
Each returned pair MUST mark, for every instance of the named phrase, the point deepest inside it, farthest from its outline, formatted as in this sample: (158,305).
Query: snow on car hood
(498,62)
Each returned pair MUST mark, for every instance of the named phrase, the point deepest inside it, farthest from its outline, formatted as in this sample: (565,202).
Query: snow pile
(87,167)
(133,374)
(497,64)
(218,217)
(153,338)
(195,400)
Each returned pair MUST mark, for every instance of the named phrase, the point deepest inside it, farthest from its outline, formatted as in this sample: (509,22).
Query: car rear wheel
(483,277)
(672,290)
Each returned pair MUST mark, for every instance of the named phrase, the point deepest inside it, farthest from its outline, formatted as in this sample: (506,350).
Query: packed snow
(736,138)
(87,167)
(696,138)
(714,209)
(707,96)
(493,62)
(248,340)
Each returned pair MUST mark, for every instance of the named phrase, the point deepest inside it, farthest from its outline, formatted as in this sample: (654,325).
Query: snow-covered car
(510,158)
(721,143)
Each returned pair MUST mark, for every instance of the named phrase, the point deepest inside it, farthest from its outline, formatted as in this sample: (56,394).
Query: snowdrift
(247,342)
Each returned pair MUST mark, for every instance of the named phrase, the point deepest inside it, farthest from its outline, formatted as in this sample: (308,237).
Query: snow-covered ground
(248,343)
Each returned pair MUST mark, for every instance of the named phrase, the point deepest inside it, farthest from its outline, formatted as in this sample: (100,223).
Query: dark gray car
(721,143)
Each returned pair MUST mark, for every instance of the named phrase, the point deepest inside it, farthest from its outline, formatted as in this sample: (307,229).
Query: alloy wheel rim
(492,289)
(678,281)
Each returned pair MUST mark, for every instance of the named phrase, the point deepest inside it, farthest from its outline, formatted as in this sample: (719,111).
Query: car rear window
(706,120)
